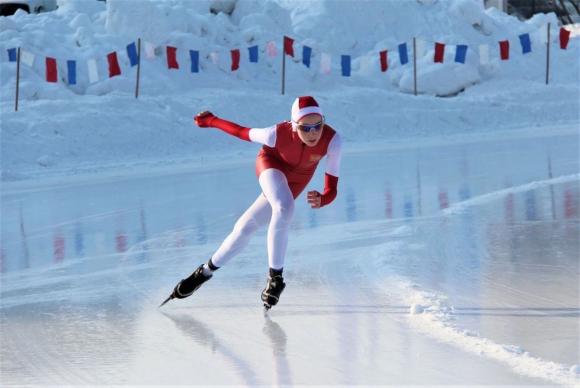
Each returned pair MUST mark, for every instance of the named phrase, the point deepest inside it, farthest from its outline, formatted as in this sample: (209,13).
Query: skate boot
(189,285)
(274,288)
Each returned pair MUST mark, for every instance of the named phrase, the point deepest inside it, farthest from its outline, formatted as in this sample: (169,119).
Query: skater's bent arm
(334,156)
(265,136)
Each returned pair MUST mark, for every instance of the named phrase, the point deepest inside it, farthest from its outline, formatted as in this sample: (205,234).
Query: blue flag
(253,54)
(460,53)
(72,72)
(403,56)
(194,61)
(526,44)
(11,55)
(345,62)
(306,54)
(132,53)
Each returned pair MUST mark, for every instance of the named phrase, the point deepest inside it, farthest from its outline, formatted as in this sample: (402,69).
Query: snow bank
(62,128)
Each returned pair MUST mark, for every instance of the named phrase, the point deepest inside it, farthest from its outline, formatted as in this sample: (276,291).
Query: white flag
(26,57)
(420,47)
(149,50)
(93,71)
(214,57)
(325,63)
(271,49)
(483,54)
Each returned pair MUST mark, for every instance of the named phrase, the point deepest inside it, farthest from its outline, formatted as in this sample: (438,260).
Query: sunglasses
(310,127)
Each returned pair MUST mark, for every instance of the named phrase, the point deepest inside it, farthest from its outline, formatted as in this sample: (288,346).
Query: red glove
(204,119)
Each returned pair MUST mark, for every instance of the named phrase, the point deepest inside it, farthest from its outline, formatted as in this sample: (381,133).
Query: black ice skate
(188,286)
(274,288)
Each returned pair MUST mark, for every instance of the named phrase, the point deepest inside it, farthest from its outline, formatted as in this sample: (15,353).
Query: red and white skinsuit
(284,167)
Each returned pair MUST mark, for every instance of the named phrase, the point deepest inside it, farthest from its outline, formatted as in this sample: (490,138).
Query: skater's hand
(204,119)
(314,199)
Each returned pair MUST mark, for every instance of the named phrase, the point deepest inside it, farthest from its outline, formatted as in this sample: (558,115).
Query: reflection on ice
(493,226)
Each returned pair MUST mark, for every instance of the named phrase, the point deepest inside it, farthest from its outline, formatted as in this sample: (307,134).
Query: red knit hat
(304,105)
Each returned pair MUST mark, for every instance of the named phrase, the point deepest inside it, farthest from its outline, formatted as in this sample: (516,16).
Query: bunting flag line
(460,53)
(403,54)
(439,52)
(383,60)
(253,51)
(194,56)
(114,68)
(288,46)
(504,50)
(483,54)
(271,49)
(93,71)
(172,57)
(51,71)
(526,43)
(306,54)
(325,63)
(235,54)
(26,57)
(71,72)
(132,54)
(345,64)
(564,38)
(11,55)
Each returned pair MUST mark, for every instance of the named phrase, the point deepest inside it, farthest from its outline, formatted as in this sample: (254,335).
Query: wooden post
(283,67)
(415,66)
(548,56)
(138,67)
(17,80)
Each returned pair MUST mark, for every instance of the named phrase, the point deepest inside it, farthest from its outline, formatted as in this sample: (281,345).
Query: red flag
(439,52)
(504,49)
(235,59)
(114,68)
(172,58)
(384,62)
(288,46)
(564,38)
(51,72)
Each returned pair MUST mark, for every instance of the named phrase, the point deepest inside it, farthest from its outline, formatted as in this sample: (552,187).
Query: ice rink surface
(437,264)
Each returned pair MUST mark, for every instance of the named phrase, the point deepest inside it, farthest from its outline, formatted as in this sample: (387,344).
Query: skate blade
(166,300)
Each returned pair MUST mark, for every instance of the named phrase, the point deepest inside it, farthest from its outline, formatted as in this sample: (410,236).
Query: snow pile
(430,314)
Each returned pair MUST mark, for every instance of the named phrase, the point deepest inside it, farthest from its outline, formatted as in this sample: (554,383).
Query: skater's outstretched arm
(265,136)
(334,155)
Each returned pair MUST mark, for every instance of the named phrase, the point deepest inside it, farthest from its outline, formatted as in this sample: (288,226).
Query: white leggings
(275,204)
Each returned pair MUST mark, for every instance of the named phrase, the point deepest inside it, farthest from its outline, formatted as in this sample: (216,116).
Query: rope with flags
(442,52)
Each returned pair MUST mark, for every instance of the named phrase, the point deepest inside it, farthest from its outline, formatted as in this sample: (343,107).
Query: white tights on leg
(275,204)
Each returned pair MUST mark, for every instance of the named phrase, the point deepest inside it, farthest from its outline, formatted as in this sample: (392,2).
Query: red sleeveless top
(295,159)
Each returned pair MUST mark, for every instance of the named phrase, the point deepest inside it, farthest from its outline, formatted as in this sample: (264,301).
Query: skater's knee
(283,209)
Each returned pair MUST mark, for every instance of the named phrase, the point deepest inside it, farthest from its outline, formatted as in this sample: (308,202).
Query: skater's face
(309,129)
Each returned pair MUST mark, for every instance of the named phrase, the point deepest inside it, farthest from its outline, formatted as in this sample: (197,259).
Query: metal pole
(138,67)
(415,66)
(548,57)
(17,80)
(551,186)
(283,67)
